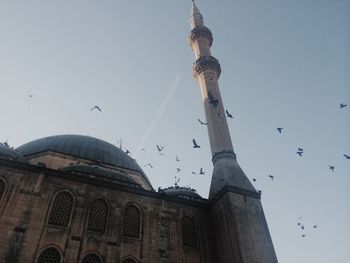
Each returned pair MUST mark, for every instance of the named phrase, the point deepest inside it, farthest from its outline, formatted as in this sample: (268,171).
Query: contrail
(159,113)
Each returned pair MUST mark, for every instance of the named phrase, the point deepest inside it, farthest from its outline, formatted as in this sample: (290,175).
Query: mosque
(73,198)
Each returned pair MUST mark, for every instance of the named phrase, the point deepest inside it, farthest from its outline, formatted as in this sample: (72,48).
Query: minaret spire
(207,70)
(196,16)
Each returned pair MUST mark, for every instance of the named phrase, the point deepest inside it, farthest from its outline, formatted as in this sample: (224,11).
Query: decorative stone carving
(164,238)
(206,63)
(200,32)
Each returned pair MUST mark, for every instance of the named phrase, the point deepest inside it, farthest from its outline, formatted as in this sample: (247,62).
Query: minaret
(240,232)
(206,69)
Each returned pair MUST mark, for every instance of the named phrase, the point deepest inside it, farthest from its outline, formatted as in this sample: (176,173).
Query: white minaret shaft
(206,69)
(244,235)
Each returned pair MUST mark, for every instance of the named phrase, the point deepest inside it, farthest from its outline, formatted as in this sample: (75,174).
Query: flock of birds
(302,227)
(195,145)
(300,152)
(214,102)
(280,130)
(159,149)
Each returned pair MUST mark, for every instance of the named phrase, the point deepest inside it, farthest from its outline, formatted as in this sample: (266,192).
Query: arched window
(50,255)
(132,221)
(92,258)
(188,229)
(61,209)
(98,216)
(129,260)
(2,188)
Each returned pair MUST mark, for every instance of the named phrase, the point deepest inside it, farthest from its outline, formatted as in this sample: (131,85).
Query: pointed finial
(196,17)
(194,8)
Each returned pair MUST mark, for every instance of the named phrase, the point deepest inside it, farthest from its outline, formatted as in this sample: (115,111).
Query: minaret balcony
(200,32)
(206,63)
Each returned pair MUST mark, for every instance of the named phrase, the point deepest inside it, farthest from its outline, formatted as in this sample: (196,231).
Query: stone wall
(240,230)
(25,233)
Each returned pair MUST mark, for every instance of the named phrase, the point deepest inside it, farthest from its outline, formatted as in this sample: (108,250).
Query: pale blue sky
(285,63)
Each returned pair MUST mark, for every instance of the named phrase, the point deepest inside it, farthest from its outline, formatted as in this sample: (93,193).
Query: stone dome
(182,192)
(10,154)
(83,147)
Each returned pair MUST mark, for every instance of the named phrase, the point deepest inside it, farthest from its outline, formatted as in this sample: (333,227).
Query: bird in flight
(314,226)
(279,129)
(346,156)
(195,145)
(193,172)
(177,159)
(177,180)
(127,151)
(30,95)
(201,171)
(342,105)
(201,122)
(229,115)
(300,152)
(271,176)
(254,180)
(160,148)
(97,108)
(178,170)
(303,235)
(212,100)
(150,165)
(331,167)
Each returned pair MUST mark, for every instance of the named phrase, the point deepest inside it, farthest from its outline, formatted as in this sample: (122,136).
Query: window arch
(98,216)
(132,221)
(49,255)
(188,229)
(92,258)
(129,259)
(61,209)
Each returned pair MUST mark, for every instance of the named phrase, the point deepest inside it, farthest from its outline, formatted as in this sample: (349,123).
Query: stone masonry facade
(27,201)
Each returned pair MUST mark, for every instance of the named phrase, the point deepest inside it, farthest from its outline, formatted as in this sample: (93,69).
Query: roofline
(106,184)
(205,204)
(94,161)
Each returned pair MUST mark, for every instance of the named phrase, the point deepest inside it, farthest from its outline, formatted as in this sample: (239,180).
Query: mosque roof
(181,192)
(10,154)
(84,147)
